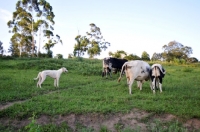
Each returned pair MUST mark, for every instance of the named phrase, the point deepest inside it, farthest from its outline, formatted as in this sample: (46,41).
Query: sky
(130,25)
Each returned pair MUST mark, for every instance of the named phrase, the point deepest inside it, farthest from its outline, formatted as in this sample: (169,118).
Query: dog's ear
(64,69)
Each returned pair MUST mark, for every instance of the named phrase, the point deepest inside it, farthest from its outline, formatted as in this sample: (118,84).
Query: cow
(136,70)
(157,73)
(110,63)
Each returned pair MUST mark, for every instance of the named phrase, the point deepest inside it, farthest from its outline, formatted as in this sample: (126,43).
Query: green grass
(83,90)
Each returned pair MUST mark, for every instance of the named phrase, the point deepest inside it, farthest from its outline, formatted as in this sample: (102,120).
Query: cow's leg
(160,84)
(103,72)
(128,80)
(130,85)
(153,85)
(157,83)
(140,84)
(110,71)
(106,69)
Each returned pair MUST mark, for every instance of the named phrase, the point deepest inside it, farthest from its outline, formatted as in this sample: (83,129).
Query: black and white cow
(157,73)
(109,63)
(136,70)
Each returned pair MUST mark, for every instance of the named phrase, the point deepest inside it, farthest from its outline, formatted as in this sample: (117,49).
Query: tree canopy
(1,49)
(93,43)
(156,56)
(118,54)
(30,15)
(145,56)
(81,46)
(132,57)
(175,50)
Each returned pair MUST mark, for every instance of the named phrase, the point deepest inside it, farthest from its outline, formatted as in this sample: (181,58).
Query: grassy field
(83,91)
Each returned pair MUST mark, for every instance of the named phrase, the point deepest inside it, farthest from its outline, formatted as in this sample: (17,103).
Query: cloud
(5,15)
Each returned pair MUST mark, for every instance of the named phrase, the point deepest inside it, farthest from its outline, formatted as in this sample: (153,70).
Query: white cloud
(5,15)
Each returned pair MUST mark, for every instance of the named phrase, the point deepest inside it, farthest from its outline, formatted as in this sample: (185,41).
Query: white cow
(136,70)
(157,73)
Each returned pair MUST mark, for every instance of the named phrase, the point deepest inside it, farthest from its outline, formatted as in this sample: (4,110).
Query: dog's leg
(39,80)
(55,82)
(38,83)
(42,80)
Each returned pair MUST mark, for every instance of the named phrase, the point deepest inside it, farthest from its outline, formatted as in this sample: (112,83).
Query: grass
(83,90)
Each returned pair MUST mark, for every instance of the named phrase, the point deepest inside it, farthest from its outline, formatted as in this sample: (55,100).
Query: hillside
(87,102)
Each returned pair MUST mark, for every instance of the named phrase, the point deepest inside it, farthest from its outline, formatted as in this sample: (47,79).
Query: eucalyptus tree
(81,46)
(93,43)
(96,41)
(50,44)
(20,25)
(29,16)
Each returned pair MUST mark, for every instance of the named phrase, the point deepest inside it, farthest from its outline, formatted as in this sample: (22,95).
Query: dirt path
(8,104)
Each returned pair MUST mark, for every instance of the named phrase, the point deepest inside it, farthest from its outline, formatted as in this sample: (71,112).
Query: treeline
(172,52)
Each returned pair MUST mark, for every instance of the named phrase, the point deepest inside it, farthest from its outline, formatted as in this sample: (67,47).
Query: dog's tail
(37,76)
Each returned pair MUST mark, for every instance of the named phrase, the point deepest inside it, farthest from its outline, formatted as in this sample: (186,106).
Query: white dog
(55,74)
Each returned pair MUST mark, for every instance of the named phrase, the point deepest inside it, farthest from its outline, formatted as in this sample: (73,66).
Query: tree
(93,43)
(118,54)
(50,44)
(24,26)
(176,50)
(70,55)
(156,56)
(59,56)
(96,42)
(21,36)
(81,46)
(145,56)
(192,60)
(132,57)
(1,49)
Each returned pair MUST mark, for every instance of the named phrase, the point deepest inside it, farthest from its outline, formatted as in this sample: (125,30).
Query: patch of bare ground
(192,124)
(8,104)
(133,120)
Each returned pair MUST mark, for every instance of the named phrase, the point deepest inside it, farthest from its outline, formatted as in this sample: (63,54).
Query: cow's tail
(122,70)
(37,76)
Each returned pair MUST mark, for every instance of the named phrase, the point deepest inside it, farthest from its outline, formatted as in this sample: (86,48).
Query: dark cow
(157,73)
(109,63)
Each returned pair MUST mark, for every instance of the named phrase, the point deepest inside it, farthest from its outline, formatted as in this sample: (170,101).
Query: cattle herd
(137,70)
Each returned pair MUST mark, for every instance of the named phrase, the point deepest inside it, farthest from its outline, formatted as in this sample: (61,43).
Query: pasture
(85,101)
